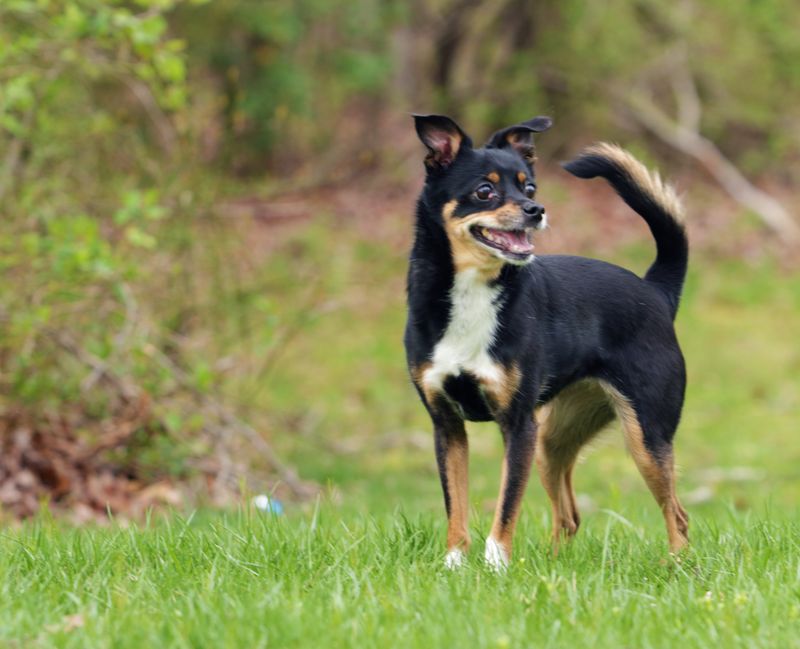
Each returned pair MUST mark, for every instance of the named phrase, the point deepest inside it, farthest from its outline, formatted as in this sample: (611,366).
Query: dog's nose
(533,211)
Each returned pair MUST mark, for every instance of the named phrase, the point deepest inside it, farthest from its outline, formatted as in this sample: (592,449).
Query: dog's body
(551,350)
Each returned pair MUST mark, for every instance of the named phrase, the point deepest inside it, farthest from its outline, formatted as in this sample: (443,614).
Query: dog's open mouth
(517,244)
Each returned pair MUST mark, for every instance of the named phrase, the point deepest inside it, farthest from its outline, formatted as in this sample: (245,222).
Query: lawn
(362,566)
(323,580)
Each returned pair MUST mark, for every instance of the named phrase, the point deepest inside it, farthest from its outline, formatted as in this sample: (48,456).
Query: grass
(251,580)
(364,565)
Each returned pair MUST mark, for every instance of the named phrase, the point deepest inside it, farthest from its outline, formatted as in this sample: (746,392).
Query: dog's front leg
(519,438)
(452,453)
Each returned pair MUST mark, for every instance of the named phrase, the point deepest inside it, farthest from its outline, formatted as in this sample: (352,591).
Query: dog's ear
(520,137)
(443,137)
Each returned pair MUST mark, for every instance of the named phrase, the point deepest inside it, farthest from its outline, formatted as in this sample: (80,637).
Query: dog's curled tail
(654,200)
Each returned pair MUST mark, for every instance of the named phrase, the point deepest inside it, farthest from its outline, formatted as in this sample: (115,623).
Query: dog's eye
(530,190)
(484,192)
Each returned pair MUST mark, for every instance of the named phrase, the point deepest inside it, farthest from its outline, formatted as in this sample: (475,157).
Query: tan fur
(568,422)
(571,420)
(500,532)
(493,177)
(502,392)
(526,150)
(663,193)
(457,471)
(521,177)
(658,474)
(504,534)
(418,376)
(468,253)
(417,372)
(457,461)
(497,532)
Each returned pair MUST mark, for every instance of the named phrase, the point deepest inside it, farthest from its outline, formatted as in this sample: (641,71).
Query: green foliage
(63,62)
(90,90)
(579,60)
(289,70)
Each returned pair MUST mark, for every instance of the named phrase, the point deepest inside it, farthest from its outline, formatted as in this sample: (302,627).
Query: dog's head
(485,197)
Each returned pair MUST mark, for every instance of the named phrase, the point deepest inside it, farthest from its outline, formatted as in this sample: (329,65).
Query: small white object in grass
(454,559)
(264,503)
(495,554)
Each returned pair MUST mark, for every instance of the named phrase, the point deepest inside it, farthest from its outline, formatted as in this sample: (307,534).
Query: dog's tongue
(515,241)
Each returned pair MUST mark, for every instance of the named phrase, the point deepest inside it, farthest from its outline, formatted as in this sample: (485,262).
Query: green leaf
(140,238)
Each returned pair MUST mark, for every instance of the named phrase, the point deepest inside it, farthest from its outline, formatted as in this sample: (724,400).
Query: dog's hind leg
(651,449)
(568,422)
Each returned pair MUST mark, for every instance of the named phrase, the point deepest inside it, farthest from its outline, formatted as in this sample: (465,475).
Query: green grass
(364,568)
(321,580)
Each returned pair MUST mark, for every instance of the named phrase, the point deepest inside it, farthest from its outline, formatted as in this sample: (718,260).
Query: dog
(553,347)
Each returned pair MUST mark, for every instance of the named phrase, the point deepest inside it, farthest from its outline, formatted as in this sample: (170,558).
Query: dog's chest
(470,333)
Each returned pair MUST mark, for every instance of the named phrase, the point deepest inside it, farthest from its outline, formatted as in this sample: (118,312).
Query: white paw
(454,559)
(495,555)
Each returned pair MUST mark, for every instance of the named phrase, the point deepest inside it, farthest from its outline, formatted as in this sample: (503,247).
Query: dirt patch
(48,461)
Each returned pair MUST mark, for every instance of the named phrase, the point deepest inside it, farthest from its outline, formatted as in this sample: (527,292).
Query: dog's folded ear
(443,137)
(520,137)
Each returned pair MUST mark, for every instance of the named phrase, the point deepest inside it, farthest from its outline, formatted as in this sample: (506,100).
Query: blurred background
(206,207)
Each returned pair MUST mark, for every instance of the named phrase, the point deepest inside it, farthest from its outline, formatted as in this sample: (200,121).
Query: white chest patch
(469,335)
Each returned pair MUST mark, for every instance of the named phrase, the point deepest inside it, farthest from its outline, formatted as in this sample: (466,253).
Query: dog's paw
(454,559)
(495,555)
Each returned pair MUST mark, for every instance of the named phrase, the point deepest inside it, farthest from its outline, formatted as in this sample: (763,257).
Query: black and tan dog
(551,348)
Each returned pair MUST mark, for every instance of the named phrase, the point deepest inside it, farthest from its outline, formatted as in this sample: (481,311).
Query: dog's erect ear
(443,137)
(520,137)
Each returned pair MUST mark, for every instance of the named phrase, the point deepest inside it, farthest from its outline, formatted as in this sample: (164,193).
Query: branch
(13,155)
(685,137)
(231,422)
(228,420)
(165,133)
(100,369)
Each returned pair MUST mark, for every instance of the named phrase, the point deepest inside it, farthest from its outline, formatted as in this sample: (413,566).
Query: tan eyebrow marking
(521,177)
(493,176)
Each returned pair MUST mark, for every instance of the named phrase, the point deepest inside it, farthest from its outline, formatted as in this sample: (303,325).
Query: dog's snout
(533,211)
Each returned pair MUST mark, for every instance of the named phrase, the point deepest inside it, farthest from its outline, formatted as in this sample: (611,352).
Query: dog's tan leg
(452,457)
(567,423)
(658,472)
(554,461)
(519,450)
(566,519)
(573,506)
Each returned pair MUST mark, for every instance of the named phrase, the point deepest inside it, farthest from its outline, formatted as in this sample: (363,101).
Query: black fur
(563,318)
(669,269)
